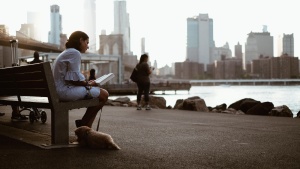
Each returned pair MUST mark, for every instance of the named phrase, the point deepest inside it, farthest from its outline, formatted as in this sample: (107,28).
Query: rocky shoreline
(246,106)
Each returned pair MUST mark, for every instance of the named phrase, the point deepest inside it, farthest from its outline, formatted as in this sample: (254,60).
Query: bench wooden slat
(6,77)
(8,91)
(7,84)
(29,76)
(27,101)
(43,92)
(32,84)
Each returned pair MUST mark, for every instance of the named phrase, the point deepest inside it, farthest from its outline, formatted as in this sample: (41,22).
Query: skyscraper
(26,31)
(90,23)
(200,40)
(35,19)
(121,23)
(55,25)
(288,44)
(238,52)
(143,47)
(258,44)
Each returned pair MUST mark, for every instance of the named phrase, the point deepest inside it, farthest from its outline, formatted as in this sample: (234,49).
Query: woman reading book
(70,82)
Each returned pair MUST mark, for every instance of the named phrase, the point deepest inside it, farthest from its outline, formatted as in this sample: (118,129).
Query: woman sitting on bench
(70,82)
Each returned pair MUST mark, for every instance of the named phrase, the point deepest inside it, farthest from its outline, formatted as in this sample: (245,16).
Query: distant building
(217,52)
(238,51)
(113,45)
(200,42)
(143,46)
(155,71)
(279,45)
(27,31)
(283,67)
(210,71)
(288,44)
(165,71)
(63,40)
(258,44)
(121,24)
(228,68)
(4,30)
(90,23)
(261,68)
(5,50)
(55,25)
(35,19)
(189,70)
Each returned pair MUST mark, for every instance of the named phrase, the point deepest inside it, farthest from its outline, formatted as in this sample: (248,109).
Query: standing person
(92,74)
(143,81)
(36,58)
(70,82)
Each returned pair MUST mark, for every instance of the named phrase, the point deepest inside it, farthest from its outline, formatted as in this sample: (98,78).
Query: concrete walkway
(158,139)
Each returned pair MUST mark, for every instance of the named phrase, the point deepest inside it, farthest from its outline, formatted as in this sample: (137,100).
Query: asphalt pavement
(158,139)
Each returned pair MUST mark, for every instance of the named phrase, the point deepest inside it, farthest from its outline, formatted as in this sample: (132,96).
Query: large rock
(237,105)
(194,104)
(261,109)
(282,111)
(178,104)
(155,102)
(244,104)
(194,98)
(248,104)
(122,100)
(218,108)
(232,111)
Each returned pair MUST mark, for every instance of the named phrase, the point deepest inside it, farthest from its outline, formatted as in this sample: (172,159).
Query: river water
(216,95)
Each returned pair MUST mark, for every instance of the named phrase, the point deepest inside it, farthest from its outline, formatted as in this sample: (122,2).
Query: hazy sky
(163,22)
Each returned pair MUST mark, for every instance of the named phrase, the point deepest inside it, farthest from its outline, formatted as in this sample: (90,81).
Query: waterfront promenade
(214,82)
(131,88)
(159,139)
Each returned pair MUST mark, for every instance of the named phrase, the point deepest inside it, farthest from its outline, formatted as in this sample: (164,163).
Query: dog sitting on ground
(88,137)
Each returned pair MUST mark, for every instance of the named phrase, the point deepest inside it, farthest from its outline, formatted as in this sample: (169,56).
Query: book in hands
(105,78)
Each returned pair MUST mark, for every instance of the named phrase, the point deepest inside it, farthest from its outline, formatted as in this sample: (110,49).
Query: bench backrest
(28,80)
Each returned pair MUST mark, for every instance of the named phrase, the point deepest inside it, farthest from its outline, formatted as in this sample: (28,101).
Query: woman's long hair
(143,58)
(74,40)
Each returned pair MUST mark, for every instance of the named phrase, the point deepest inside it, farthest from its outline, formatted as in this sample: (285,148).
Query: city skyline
(163,23)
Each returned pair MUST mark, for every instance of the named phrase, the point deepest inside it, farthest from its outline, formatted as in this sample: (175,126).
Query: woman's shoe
(139,107)
(19,117)
(148,107)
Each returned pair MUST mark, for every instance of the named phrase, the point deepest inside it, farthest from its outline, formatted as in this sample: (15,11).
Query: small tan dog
(86,136)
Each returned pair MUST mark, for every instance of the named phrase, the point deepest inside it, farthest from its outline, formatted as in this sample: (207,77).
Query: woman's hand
(83,83)
(92,83)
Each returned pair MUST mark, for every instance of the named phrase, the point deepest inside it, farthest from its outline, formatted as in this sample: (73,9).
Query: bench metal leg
(60,127)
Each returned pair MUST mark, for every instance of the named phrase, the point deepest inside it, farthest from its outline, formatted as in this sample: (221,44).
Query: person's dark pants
(143,88)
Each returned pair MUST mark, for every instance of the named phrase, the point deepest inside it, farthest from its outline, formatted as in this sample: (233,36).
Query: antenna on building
(265,28)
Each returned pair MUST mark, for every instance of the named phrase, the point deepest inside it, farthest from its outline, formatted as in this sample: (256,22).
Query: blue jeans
(143,88)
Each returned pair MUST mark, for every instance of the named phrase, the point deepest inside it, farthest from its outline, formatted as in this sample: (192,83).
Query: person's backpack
(134,75)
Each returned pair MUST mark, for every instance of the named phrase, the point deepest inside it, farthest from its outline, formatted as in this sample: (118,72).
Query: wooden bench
(33,86)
